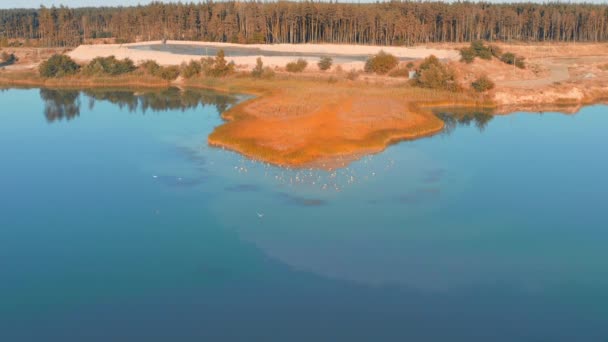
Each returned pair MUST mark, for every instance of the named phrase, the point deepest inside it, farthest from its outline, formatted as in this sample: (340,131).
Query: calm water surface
(119,223)
(231,51)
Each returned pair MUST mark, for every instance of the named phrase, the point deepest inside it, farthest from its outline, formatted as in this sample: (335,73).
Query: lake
(235,51)
(119,223)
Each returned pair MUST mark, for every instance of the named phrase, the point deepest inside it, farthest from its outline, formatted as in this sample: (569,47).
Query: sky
(96,3)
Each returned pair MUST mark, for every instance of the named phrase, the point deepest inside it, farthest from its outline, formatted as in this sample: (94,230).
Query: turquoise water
(119,223)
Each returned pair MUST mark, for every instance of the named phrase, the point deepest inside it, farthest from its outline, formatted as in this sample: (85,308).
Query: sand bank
(85,53)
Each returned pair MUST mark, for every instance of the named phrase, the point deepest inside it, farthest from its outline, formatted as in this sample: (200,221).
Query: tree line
(381,23)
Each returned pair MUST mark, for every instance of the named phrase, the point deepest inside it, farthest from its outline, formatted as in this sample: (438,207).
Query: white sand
(85,53)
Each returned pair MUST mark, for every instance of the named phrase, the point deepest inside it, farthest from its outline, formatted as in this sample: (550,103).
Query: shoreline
(320,119)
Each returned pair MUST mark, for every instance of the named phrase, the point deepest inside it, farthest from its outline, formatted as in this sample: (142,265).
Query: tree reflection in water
(454,117)
(62,104)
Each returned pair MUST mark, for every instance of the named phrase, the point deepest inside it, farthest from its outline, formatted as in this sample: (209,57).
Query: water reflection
(65,104)
(60,104)
(453,117)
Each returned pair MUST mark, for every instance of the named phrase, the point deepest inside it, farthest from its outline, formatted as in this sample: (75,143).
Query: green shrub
(58,66)
(108,66)
(297,66)
(477,49)
(482,84)
(325,63)
(258,69)
(435,75)
(512,59)
(481,50)
(495,50)
(467,55)
(191,69)
(169,73)
(149,66)
(381,63)
(7,58)
(220,66)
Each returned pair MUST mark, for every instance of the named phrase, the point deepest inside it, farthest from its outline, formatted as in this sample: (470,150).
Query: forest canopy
(381,23)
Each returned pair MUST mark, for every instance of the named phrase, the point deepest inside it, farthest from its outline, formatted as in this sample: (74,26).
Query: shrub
(297,66)
(258,69)
(495,50)
(512,59)
(477,49)
(220,66)
(58,66)
(7,58)
(352,75)
(435,75)
(481,50)
(467,55)
(381,63)
(191,69)
(151,67)
(325,63)
(109,66)
(482,84)
(400,72)
(168,73)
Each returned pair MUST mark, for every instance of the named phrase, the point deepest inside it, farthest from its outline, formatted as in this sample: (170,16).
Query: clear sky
(96,3)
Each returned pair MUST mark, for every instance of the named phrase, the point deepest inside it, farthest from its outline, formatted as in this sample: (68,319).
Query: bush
(220,67)
(325,63)
(512,59)
(109,66)
(477,49)
(297,66)
(151,67)
(481,50)
(495,50)
(7,58)
(435,75)
(58,66)
(191,69)
(167,73)
(258,69)
(482,84)
(352,75)
(400,72)
(467,55)
(381,63)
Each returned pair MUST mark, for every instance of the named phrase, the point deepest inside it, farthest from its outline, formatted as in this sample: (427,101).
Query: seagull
(260,215)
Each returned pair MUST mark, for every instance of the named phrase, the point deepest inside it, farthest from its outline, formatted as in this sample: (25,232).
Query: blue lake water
(119,223)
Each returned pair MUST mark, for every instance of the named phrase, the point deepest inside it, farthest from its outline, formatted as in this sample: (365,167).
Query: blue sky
(72,3)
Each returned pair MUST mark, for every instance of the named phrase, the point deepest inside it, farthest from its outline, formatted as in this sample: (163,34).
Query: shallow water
(119,223)
(211,51)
